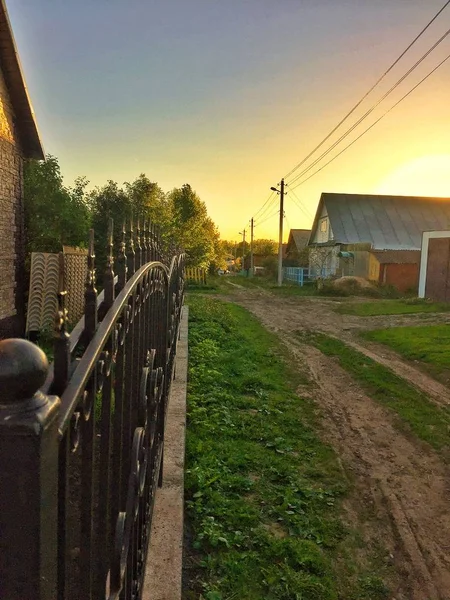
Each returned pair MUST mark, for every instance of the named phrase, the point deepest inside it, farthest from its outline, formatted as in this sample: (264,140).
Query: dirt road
(402,487)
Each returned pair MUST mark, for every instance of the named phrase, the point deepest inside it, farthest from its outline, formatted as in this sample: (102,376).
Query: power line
(368,112)
(258,223)
(268,208)
(268,200)
(374,123)
(300,205)
(327,137)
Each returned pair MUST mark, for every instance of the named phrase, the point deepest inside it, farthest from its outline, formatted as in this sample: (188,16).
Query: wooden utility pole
(243,248)
(280,239)
(251,249)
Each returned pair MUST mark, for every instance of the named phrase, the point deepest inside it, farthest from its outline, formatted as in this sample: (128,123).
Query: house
(19,139)
(295,247)
(349,227)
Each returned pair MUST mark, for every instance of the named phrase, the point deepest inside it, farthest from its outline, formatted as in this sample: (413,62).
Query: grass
(393,307)
(263,493)
(426,420)
(429,345)
(287,289)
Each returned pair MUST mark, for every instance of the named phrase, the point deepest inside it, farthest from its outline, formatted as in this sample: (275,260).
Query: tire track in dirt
(400,479)
(317,314)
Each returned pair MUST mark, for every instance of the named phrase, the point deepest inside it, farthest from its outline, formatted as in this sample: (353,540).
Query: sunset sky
(229,95)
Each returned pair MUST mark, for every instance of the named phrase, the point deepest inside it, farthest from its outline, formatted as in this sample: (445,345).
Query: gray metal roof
(299,237)
(387,222)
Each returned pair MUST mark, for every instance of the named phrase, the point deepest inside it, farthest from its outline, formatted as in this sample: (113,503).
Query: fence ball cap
(23,370)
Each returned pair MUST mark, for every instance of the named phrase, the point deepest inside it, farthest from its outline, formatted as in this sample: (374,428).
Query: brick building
(19,139)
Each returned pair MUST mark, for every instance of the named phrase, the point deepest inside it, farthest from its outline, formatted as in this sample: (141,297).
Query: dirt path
(286,315)
(402,493)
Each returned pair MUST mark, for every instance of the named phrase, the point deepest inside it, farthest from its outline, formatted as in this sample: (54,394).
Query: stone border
(164,564)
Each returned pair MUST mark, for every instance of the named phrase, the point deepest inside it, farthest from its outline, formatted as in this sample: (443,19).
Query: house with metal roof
(296,254)
(19,139)
(348,225)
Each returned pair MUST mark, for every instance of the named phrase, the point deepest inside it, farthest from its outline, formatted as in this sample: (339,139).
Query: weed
(428,421)
(263,493)
(392,307)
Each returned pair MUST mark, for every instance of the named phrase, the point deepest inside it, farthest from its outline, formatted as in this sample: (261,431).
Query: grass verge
(263,493)
(428,421)
(392,307)
(430,345)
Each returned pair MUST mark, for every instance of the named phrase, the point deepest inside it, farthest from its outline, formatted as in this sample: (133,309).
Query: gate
(82,441)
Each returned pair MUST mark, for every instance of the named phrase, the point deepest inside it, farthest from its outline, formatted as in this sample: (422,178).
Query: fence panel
(195,275)
(86,437)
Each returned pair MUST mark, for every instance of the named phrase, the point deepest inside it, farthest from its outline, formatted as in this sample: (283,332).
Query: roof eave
(15,81)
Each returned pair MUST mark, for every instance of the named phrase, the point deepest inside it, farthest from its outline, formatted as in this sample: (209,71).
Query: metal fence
(82,442)
(302,275)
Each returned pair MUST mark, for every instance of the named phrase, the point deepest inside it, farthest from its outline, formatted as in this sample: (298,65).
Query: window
(323,225)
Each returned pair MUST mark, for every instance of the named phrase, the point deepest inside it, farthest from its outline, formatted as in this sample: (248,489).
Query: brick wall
(11,221)
(405,277)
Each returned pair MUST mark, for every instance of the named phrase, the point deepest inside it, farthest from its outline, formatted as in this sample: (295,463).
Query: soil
(402,486)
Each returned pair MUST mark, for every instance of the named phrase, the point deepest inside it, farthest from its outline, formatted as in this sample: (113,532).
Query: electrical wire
(268,200)
(267,218)
(327,137)
(368,112)
(374,123)
(268,208)
(300,205)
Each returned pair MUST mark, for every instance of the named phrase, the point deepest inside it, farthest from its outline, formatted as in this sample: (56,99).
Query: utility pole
(243,248)
(251,249)
(280,240)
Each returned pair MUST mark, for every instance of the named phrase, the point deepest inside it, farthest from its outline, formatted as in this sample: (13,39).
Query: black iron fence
(82,441)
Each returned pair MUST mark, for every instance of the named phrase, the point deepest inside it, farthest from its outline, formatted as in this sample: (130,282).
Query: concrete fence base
(164,567)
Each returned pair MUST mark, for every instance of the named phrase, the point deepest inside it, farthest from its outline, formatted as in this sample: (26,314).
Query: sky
(230,95)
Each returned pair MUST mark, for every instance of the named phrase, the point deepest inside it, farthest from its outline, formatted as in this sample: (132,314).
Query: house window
(324,225)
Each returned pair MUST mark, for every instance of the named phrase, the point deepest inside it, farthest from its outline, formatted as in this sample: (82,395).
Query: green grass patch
(428,421)
(429,345)
(287,289)
(263,493)
(392,307)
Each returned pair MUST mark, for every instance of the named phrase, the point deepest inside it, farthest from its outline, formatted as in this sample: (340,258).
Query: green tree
(192,229)
(55,215)
(109,201)
(148,201)
(265,247)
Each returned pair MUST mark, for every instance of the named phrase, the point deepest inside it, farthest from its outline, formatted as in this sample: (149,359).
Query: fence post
(29,475)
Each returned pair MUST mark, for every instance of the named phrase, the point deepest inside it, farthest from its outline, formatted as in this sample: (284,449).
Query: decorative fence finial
(61,336)
(122,261)
(109,270)
(90,295)
(138,254)
(131,256)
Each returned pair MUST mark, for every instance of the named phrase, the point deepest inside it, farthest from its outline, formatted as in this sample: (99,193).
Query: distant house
(19,139)
(350,231)
(295,247)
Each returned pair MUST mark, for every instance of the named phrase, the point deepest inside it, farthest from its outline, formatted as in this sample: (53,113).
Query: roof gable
(15,82)
(386,222)
(298,238)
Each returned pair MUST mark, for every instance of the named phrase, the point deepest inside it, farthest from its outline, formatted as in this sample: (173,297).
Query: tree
(148,201)
(109,202)
(265,247)
(192,229)
(55,215)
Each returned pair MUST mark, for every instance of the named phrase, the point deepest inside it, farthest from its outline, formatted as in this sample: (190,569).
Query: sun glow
(423,176)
